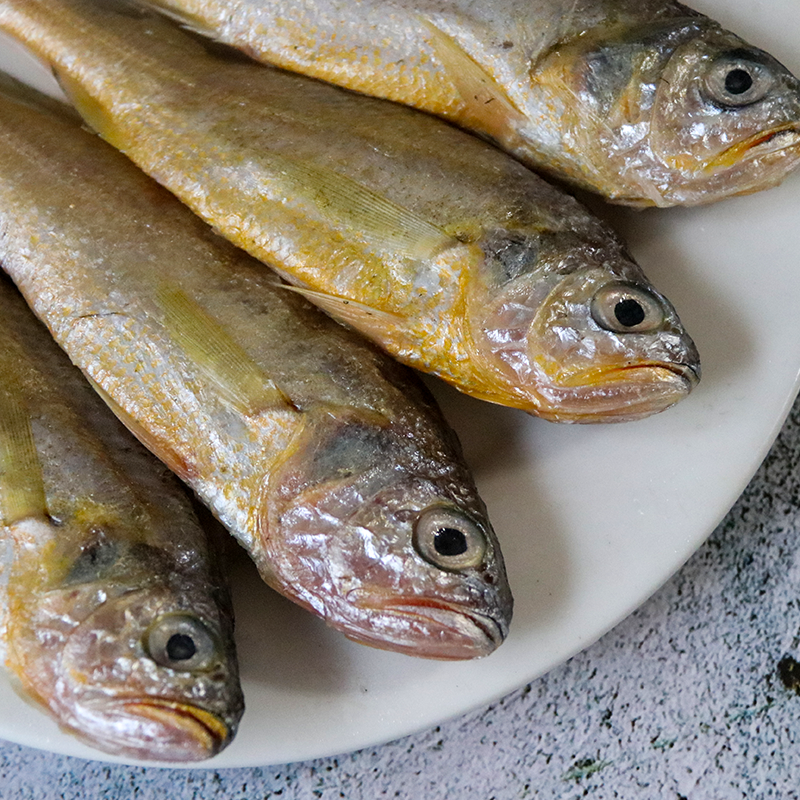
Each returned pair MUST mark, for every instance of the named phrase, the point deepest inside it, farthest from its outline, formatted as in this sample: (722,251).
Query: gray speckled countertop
(694,696)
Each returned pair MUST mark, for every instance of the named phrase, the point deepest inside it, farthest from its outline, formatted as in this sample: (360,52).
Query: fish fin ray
(95,117)
(185,19)
(239,381)
(342,199)
(22,492)
(358,315)
(151,442)
(483,97)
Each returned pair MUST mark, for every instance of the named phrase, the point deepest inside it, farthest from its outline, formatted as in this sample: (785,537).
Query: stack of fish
(326,459)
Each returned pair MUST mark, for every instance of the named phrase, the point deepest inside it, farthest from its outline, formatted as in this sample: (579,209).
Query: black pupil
(450,542)
(629,312)
(180,647)
(738,81)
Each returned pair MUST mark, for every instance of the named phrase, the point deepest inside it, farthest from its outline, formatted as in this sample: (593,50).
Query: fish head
(683,112)
(142,667)
(388,541)
(582,336)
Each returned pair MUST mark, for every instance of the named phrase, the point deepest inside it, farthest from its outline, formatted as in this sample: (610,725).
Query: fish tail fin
(22,492)
(238,380)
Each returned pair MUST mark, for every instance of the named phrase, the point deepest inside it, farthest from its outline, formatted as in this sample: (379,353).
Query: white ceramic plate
(592,519)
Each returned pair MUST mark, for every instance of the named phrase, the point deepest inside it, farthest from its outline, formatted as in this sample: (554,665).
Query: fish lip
(759,145)
(205,733)
(448,618)
(690,373)
(678,381)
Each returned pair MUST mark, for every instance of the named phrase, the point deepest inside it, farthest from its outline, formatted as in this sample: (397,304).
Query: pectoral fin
(485,100)
(22,493)
(360,316)
(181,16)
(344,201)
(238,380)
(177,464)
(94,114)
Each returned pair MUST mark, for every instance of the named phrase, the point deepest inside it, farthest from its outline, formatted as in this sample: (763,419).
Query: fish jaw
(753,164)
(149,729)
(429,628)
(619,394)
(171,731)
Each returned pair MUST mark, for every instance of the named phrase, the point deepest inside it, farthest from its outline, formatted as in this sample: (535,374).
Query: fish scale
(393,222)
(555,82)
(93,528)
(328,461)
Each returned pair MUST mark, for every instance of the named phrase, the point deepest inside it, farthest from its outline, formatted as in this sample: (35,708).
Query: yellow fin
(239,381)
(359,315)
(342,200)
(486,101)
(181,16)
(22,493)
(177,464)
(94,114)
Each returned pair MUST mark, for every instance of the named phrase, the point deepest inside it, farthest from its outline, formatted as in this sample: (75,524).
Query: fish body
(646,102)
(449,254)
(114,617)
(327,460)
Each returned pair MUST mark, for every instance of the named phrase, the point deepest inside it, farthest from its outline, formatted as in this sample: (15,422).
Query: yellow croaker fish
(113,615)
(448,253)
(327,460)
(644,101)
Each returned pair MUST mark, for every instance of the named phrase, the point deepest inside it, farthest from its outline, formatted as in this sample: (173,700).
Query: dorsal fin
(22,492)
(238,380)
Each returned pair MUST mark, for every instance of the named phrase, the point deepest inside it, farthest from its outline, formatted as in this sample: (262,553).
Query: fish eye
(626,308)
(181,642)
(449,539)
(736,79)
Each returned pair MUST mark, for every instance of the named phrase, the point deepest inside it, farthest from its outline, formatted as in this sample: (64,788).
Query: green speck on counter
(662,743)
(584,768)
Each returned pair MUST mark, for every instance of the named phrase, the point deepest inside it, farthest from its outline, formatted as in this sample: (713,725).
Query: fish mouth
(177,731)
(433,629)
(621,394)
(765,143)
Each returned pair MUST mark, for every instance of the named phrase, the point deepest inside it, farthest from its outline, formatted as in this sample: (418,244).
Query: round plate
(592,520)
